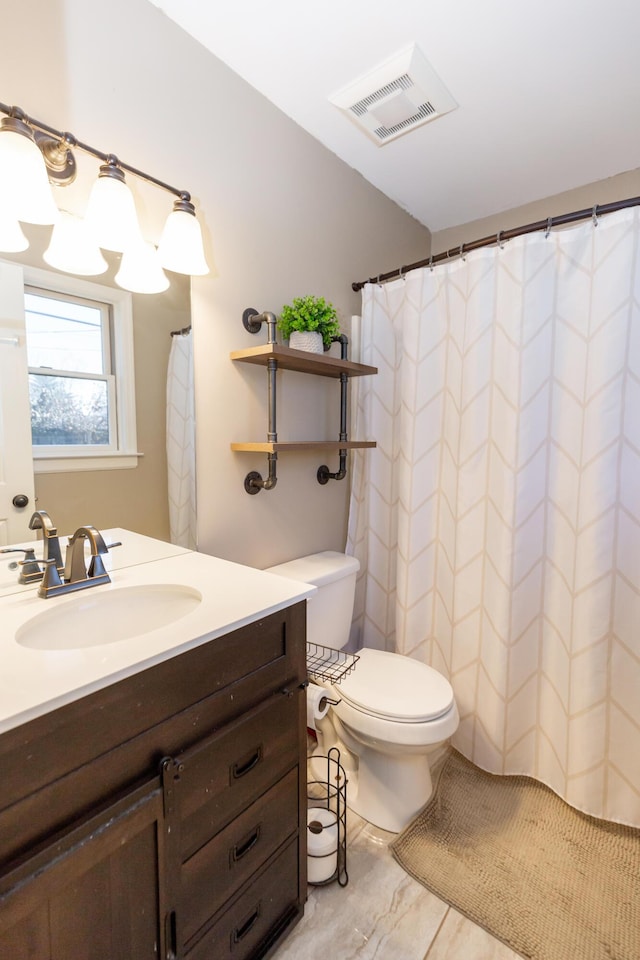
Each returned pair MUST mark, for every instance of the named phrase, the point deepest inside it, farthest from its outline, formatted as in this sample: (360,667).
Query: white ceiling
(548,91)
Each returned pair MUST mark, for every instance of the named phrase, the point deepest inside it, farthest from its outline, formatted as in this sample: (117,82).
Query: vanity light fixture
(140,270)
(111,210)
(180,247)
(34,155)
(12,239)
(72,248)
(24,186)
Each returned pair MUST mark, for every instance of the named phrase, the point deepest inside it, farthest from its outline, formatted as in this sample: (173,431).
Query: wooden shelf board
(322,365)
(284,446)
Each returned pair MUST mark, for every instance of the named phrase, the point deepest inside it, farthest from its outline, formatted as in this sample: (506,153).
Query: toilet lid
(395,687)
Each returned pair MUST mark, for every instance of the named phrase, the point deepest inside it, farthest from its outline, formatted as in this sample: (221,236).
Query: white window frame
(125,456)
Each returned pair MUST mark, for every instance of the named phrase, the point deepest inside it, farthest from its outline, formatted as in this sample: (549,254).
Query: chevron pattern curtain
(498,520)
(181,444)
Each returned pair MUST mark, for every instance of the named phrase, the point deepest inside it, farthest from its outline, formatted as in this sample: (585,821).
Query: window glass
(65,334)
(68,410)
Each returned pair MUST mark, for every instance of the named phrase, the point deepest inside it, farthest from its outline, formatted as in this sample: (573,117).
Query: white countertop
(34,682)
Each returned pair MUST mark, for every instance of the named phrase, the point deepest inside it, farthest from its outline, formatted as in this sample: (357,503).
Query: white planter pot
(308,340)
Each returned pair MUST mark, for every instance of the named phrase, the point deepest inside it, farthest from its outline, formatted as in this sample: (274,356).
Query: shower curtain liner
(498,520)
(181,477)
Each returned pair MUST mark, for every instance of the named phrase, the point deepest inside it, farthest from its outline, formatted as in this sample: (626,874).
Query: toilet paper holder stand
(327,821)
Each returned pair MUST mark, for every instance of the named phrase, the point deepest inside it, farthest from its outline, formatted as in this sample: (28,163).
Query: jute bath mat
(549,882)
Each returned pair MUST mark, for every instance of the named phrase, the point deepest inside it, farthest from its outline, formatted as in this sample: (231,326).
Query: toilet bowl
(392,713)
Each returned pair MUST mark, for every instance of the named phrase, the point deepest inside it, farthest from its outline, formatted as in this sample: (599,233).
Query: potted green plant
(309,323)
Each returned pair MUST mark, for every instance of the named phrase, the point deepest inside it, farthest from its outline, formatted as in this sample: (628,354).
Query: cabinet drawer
(228,771)
(252,922)
(220,868)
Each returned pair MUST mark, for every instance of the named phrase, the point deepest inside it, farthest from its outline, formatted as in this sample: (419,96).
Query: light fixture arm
(56,151)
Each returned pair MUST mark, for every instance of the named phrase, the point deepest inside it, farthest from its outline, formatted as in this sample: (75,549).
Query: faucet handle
(30,567)
(51,578)
(96,565)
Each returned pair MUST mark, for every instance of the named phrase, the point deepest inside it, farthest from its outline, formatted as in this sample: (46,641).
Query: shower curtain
(181,442)
(498,521)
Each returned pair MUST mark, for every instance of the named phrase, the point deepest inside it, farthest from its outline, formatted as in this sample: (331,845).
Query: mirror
(132,498)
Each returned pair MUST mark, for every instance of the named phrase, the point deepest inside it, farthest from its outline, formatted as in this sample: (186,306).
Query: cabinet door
(93,894)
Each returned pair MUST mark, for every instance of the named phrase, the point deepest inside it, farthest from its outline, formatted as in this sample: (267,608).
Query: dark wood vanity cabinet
(161,816)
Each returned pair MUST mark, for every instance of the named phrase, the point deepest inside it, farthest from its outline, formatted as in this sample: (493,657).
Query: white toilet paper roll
(322,844)
(317,706)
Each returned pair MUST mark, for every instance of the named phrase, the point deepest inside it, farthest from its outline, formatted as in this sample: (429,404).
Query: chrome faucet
(50,540)
(75,575)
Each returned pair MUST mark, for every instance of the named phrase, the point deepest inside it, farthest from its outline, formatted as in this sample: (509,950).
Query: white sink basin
(95,617)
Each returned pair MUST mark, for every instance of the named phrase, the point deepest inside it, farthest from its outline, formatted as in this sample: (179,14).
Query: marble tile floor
(383,914)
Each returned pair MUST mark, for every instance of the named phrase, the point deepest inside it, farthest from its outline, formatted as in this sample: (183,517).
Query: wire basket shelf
(323,663)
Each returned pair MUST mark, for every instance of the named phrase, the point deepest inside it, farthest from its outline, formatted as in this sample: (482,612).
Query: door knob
(20,500)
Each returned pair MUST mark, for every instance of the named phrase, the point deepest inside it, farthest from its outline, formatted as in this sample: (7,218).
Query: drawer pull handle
(240,850)
(171,935)
(242,931)
(240,769)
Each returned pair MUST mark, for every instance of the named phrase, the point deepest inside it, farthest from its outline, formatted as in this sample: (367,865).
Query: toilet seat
(394,687)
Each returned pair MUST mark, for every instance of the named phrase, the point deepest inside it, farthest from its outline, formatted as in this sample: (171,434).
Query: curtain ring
(498,240)
(548,230)
(461,253)
(594,215)
(431,264)
(400,274)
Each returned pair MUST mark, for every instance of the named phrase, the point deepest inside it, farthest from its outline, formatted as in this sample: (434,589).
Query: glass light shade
(180,248)
(72,248)
(12,239)
(111,213)
(23,175)
(140,270)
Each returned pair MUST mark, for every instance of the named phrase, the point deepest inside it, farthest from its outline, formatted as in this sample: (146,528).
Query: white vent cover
(399,95)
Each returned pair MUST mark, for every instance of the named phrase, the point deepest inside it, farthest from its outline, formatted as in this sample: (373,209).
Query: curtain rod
(547,224)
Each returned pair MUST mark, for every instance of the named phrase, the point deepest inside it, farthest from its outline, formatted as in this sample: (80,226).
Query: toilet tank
(330,609)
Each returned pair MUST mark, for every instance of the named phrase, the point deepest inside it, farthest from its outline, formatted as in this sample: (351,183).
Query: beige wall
(621,187)
(282,217)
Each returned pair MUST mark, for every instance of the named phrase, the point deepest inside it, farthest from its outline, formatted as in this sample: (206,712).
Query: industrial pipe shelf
(274,356)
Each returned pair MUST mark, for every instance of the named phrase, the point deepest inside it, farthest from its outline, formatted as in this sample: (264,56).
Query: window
(70,380)
(80,356)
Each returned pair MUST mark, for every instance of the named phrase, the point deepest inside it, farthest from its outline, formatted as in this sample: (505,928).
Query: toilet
(393,712)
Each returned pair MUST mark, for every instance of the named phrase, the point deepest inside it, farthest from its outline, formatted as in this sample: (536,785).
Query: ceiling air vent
(399,95)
